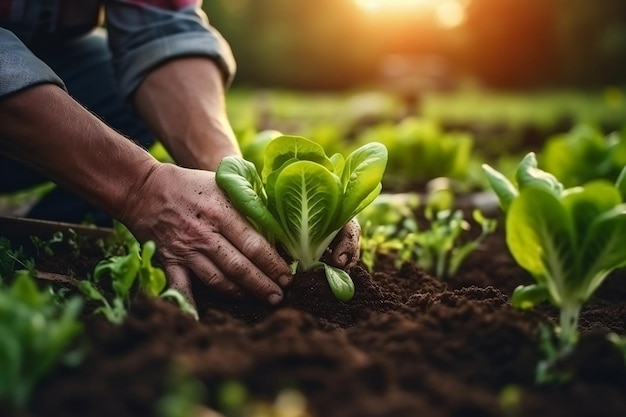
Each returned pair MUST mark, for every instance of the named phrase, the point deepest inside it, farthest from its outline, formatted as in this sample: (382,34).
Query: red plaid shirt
(69,16)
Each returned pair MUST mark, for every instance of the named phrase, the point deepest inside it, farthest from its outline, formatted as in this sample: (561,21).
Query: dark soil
(409,344)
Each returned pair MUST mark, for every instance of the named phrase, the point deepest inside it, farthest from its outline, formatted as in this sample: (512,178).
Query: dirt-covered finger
(179,280)
(211,276)
(258,250)
(241,270)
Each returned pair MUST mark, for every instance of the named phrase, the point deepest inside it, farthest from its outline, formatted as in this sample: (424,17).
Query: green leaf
(338,163)
(340,283)
(180,300)
(284,148)
(122,271)
(35,332)
(239,179)
(361,178)
(541,239)
(620,183)
(90,291)
(25,290)
(151,279)
(527,296)
(307,198)
(602,250)
(502,187)
(254,148)
(585,204)
(529,176)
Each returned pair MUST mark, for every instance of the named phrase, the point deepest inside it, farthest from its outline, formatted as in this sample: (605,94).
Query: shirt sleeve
(146,33)
(19,68)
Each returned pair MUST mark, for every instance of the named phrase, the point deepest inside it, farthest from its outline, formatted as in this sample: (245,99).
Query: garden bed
(408,344)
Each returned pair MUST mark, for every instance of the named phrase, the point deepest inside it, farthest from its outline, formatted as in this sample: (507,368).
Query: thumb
(345,253)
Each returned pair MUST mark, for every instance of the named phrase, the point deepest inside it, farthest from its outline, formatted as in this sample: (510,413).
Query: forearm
(44,128)
(183,103)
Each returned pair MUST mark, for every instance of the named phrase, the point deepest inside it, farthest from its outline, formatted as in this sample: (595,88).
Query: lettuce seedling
(420,150)
(302,198)
(384,224)
(12,259)
(124,272)
(440,249)
(569,239)
(584,153)
(389,225)
(36,333)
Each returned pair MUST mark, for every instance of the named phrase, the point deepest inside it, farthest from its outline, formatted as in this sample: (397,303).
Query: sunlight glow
(447,13)
(450,14)
(380,5)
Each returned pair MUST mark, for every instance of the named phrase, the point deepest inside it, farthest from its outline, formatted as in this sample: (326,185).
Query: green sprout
(125,272)
(36,333)
(569,239)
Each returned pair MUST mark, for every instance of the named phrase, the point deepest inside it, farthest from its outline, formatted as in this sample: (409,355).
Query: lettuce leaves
(302,197)
(569,239)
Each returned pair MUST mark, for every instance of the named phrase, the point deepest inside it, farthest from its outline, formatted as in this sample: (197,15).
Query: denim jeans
(85,66)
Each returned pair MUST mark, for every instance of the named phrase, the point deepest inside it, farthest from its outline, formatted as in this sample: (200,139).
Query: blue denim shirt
(142,34)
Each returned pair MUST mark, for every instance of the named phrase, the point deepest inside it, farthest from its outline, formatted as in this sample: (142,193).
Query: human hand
(344,250)
(200,235)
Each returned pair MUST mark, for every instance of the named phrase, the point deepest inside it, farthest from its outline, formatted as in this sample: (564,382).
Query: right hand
(200,235)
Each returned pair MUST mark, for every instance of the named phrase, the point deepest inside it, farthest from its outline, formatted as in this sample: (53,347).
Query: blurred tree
(592,41)
(512,43)
(329,44)
(317,44)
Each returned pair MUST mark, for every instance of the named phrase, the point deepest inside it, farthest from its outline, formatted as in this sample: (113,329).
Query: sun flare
(447,13)
(377,5)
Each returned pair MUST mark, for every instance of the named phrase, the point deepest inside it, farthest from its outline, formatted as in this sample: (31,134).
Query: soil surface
(408,344)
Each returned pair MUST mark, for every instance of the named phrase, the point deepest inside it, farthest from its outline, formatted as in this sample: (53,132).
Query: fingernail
(343,259)
(284,280)
(274,299)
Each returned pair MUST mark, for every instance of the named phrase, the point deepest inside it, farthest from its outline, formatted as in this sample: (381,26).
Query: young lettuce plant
(302,198)
(569,239)
(36,335)
(389,225)
(134,268)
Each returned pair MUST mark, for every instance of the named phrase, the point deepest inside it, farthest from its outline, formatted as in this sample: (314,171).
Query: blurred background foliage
(424,44)
(426,77)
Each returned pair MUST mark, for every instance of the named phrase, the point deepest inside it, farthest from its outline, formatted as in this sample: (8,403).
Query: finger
(257,249)
(207,272)
(239,269)
(345,254)
(179,280)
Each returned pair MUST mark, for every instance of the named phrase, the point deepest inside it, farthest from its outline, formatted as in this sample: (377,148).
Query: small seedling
(47,246)
(390,226)
(36,333)
(124,272)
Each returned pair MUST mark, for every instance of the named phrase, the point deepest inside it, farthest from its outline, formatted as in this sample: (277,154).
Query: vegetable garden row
(491,283)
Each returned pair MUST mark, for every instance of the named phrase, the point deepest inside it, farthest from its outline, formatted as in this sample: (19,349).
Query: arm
(183,103)
(176,83)
(173,68)
(69,144)
(182,210)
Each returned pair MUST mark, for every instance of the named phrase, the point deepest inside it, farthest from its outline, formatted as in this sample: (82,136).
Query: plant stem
(569,324)
(441,265)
